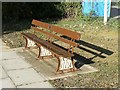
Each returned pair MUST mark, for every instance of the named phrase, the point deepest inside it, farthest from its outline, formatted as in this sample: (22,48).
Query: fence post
(105,12)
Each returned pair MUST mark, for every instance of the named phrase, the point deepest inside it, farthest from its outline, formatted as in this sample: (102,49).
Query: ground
(93,34)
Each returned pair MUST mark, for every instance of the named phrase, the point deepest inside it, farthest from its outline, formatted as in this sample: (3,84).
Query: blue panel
(109,8)
(87,7)
(97,7)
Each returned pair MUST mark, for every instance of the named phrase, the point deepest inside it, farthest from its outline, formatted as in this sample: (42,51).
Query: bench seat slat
(53,48)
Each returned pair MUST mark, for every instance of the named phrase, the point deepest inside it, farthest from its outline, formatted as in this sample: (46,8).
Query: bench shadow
(95,47)
(83,45)
(80,60)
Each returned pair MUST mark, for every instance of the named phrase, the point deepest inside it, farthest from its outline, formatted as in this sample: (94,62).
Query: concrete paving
(17,73)
(3,74)
(7,83)
(36,85)
(15,64)
(25,76)
(8,55)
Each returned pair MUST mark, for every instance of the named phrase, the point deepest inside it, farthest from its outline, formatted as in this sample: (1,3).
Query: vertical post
(105,11)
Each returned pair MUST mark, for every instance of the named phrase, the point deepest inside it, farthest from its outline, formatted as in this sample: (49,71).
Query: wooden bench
(47,47)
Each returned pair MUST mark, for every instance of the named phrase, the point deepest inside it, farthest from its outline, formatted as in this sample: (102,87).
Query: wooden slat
(63,31)
(53,48)
(57,37)
(40,24)
(66,32)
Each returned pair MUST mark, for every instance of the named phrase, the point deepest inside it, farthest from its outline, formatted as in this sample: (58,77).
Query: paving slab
(51,75)
(2,73)
(0,62)
(0,57)
(0,49)
(7,55)
(26,53)
(1,42)
(37,85)
(7,83)
(15,64)
(3,46)
(47,67)
(25,76)
(0,84)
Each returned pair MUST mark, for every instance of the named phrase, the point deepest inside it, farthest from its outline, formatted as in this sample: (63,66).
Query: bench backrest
(71,34)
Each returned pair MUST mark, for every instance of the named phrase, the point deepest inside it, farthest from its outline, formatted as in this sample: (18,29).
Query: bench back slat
(63,31)
(57,37)
(66,32)
(40,24)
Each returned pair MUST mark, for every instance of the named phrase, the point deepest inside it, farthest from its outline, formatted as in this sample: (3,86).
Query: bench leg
(58,68)
(65,64)
(39,52)
(43,52)
(29,43)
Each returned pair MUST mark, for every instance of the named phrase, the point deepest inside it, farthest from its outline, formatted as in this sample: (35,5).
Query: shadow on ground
(83,60)
(83,45)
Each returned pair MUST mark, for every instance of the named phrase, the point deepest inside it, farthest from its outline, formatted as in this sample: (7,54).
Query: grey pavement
(17,73)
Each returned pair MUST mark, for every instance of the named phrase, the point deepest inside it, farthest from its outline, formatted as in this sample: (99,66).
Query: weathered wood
(57,37)
(63,31)
(53,48)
